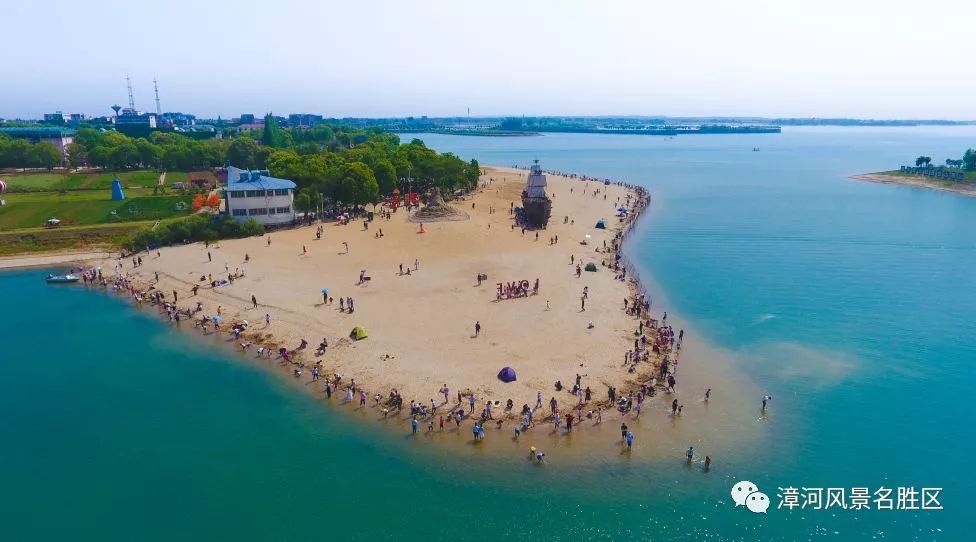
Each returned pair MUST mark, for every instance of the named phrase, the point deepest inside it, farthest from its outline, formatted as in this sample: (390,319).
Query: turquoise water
(849,302)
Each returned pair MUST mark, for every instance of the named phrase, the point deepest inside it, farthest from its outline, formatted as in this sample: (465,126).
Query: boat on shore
(62,279)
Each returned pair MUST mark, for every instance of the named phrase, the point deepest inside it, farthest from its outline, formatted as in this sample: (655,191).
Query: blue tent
(601,224)
(507,375)
(117,193)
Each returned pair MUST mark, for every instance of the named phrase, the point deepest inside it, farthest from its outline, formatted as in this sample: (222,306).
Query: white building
(257,195)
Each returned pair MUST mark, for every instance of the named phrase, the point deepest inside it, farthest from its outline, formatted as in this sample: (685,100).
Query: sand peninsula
(965,188)
(431,297)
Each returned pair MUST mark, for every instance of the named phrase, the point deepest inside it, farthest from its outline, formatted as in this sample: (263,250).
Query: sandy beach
(421,323)
(58,258)
(963,188)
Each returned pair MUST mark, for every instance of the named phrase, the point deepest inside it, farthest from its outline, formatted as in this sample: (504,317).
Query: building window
(258,211)
(272,210)
(239,212)
(255,193)
(281,192)
(237,194)
(284,210)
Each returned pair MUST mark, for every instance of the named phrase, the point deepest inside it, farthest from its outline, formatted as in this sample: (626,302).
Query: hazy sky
(857,58)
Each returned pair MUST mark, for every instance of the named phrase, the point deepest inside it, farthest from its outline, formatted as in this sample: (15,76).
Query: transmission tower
(132,101)
(159,110)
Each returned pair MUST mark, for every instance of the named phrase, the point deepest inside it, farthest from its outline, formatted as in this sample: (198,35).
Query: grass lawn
(38,240)
(85,207)
(33,181)
(92,181)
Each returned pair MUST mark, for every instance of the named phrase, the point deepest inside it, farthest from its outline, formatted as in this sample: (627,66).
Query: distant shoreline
(964,188)
(649,131)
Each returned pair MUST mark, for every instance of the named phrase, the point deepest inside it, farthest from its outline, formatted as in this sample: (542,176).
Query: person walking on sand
(414,424)
(254,301)
(304,249)
(267,319)
(477,332)
(708,393)
(583,304)
(269,241)
(346,246)
(209,257)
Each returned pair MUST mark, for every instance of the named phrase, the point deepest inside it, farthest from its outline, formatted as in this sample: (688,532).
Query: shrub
(204,227)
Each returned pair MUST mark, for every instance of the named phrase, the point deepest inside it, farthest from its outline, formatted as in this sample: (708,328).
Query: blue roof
(38,131)
(255,180)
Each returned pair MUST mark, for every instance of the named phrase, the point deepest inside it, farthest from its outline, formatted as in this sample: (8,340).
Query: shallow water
(848,302)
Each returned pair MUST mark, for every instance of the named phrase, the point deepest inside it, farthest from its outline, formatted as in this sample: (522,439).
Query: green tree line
(20,153)
(162,150)
(342,163)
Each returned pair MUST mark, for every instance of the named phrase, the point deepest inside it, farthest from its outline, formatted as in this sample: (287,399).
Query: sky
(380,58)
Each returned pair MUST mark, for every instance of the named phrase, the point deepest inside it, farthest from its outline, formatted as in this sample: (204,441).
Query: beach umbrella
(507,375)
(325,291)
(216,318)
(622,209)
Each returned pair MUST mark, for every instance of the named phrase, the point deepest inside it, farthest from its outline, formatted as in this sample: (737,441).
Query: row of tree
(162,150)
(967,162)
(342,163)
(20,153)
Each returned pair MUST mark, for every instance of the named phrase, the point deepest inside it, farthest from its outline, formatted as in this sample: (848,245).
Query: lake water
(850,303)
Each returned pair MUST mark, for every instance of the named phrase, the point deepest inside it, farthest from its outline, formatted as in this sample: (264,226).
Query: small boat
(62,279)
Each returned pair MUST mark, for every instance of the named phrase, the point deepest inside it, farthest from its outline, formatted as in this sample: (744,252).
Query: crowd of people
(653,356)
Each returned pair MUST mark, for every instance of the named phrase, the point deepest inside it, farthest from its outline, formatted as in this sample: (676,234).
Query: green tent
(358,334)
(591,266)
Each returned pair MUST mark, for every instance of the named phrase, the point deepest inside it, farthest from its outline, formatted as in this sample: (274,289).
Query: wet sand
(963,188)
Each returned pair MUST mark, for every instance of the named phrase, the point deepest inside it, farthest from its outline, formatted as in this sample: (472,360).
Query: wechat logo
(747,494)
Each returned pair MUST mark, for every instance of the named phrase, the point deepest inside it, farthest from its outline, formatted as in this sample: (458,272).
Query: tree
(243,153)
(77,155)
(969,159)
(355,184)
(386,176)
(272,133)
(124,156)
(45,155)
(919,161)
(150,155)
